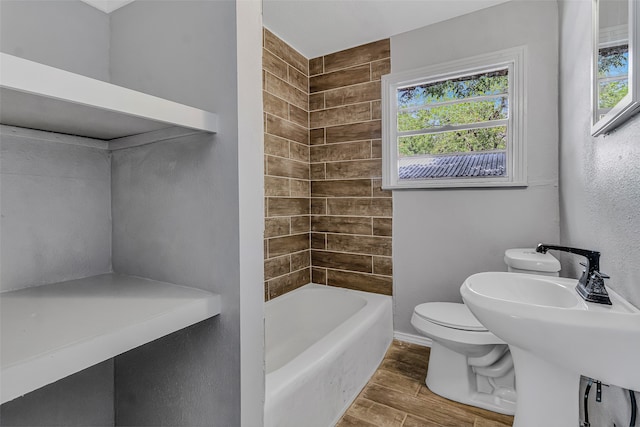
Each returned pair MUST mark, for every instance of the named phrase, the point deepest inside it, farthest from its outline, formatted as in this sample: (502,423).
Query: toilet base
(450,376)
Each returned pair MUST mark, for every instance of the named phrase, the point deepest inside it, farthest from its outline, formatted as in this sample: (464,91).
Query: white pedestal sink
(555,336)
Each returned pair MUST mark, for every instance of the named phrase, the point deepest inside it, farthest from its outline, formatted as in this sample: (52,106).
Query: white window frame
(516,161)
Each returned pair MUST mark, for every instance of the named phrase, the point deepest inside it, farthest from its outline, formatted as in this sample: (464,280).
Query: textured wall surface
(351,215)
(440,237)
(79,400)
(184,210)
(55,200)
(599,186)
(286,156)
(56,222)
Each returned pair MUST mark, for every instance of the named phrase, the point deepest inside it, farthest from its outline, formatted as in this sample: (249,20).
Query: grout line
(289,121)
(358,64)
(357,272)
(285,82)
(354,65)
(288,158)
(286,274)
(343,142)
(342,105)
(285,61)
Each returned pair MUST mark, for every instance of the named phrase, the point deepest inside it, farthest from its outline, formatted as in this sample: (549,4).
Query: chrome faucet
(591,284)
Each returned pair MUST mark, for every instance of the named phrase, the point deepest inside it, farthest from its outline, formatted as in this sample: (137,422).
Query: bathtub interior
(300,318)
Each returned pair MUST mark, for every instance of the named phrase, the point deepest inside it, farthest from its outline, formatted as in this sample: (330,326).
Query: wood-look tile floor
(396,396)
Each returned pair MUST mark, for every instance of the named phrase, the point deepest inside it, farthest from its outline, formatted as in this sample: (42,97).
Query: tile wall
(350,214)
(286,155)
(326,218)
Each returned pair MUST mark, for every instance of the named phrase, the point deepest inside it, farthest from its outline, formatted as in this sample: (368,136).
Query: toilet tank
(527,260)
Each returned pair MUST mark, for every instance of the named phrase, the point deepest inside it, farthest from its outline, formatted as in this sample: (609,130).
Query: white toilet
(468,363)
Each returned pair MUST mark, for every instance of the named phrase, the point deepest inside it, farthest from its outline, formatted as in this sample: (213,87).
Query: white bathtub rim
(278,381)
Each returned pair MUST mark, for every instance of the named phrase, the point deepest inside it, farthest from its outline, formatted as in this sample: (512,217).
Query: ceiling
(318,27)
(107,6)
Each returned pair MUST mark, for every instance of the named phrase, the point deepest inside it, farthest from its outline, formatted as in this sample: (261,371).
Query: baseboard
(412,339)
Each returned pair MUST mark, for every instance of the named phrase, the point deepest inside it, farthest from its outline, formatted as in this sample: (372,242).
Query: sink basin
(554,337)
(528,289)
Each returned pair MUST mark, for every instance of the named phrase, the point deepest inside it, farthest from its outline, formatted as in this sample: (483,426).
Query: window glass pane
(611,92)
(613,69)
(490,83)
(452,114)
(462,141)
(613,61)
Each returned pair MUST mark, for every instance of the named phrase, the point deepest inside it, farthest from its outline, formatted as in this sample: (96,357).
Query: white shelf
(52,331)
(37,96)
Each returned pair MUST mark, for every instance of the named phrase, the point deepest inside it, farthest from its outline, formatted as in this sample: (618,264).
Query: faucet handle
(602,275)
(599,273)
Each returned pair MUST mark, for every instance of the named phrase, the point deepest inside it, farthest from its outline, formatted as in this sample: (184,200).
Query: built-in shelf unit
(37,96)
(53,330)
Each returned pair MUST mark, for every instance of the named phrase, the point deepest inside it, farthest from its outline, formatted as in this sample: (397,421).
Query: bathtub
(322,346)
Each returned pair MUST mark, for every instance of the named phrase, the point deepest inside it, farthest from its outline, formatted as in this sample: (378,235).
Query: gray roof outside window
(491,163)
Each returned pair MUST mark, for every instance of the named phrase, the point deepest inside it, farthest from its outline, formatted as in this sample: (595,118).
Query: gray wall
(176,211)
(185,215)
(442,236)
(599,184)
(55,226)
(66,34)
(80,400)
(56,222)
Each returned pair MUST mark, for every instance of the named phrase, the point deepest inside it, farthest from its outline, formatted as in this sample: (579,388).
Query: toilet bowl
(467,362)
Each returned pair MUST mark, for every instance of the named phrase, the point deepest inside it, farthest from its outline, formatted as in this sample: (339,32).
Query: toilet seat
(453,336)
(450,315)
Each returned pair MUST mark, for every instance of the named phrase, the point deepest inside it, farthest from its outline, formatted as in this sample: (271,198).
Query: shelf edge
(43,369)
(27,76)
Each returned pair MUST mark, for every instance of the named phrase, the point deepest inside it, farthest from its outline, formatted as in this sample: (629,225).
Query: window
(458,124)
(613,68)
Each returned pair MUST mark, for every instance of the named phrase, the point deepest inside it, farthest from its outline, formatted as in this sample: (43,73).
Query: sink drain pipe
(586,403)
(632,398)
(634,408)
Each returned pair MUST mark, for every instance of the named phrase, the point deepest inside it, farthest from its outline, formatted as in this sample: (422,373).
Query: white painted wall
(599,185)
(442,236)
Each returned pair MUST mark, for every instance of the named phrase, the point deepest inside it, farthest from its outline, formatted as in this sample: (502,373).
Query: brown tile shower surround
(351,215)
(323,168)
(285,83)
(396,396)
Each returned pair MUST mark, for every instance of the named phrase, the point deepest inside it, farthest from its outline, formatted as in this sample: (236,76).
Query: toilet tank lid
(449,314)
(529,259)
